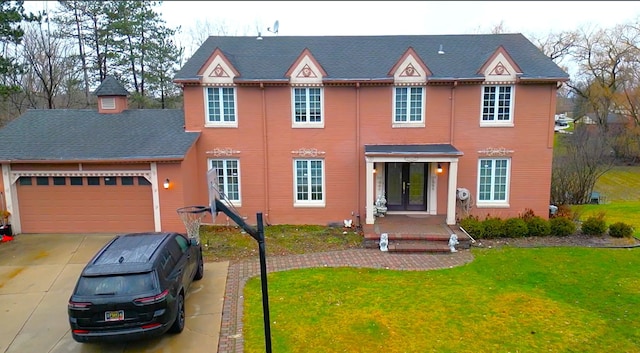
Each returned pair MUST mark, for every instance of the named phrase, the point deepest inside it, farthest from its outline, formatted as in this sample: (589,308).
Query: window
(42,180)
(309,182)
(109,181)
(25,181)
(307,107)
(493,180)
(221,106)
(59,181)
(408,103)
(75,180)
(93,181)
(228,178)
(143,181)
(126,180)
(497,102)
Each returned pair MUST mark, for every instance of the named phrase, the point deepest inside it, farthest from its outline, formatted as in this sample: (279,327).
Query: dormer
(410,69)
(500,68)
(305,70)
(218,70)
(112,96)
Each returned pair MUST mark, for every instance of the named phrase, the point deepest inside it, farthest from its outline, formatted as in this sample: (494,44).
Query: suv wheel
(178,324)
(200,271)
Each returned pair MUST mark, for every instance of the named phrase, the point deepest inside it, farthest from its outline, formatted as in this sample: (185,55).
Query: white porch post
(451,199)
(369,219)
(157,222)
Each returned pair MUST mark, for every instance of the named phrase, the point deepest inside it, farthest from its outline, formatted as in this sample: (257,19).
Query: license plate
(114,315)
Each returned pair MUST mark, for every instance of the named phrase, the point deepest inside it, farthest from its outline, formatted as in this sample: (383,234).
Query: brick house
(312,130)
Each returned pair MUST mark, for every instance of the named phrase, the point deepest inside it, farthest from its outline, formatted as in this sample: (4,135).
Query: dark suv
(134,287)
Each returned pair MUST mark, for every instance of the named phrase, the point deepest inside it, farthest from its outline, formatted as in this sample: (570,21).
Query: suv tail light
(153,299)
(79,305)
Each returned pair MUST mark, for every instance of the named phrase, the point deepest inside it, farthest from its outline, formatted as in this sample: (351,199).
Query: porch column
(451,199)
(369,219)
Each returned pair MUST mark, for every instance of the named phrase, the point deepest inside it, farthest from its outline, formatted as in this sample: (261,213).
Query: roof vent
(259,36)
(440,51)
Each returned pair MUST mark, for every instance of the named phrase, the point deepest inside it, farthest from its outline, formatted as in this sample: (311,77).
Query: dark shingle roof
(84,135)
(371,57)
(430,149)
(111,87)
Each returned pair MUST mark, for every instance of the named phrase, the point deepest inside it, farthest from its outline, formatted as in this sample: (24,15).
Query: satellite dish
(276,25)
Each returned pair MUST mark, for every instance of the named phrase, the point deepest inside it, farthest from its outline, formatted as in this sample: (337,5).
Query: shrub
(594,225)
(493,227)
(527,214)
(538,226)
(620,230)
(562,226)
(515,228)
(473,226)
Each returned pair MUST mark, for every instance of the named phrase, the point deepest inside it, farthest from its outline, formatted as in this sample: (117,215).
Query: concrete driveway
(37,275)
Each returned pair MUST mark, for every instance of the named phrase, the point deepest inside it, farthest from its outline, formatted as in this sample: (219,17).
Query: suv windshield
(116,285)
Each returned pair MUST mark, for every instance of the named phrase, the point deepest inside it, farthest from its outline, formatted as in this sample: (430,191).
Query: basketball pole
(258,235)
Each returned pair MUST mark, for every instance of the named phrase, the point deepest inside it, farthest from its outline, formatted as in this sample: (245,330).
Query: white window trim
(309,203)
(236,203)
(208,123)
(494,123)
(494,204)
(306,125)
(408,124)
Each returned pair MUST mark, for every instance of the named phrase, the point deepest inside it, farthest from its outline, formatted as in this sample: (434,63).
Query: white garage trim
(11,195)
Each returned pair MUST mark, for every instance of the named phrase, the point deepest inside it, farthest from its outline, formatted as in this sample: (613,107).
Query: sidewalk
(231,339)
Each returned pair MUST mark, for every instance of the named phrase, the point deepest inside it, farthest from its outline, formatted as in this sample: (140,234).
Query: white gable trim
(306,73)
(500,70)
(218,72)
(410,72)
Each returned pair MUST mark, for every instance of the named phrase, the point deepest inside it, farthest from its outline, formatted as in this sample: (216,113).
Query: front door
(406,187)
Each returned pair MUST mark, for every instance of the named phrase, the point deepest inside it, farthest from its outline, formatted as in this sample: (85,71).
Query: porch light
(439,170)
(166,184)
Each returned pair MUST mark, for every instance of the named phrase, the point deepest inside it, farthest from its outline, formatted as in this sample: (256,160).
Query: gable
(218,70)
(305,70)
(410,69)
(500,67)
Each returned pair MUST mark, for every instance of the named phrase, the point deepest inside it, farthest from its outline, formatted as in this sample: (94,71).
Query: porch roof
(430,150)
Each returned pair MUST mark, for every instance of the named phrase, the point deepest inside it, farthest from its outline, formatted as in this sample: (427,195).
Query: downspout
(358,181)
(453,108)
(265,149)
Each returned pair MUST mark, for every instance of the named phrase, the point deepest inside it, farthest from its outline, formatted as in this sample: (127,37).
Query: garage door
(85,204)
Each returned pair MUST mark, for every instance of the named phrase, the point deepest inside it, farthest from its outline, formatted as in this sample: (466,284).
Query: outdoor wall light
(166,184)
(439,170)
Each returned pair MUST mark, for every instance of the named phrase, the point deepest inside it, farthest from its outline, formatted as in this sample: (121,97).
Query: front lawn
(506,300)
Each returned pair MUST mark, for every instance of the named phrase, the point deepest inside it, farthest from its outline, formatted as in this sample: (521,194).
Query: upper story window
(221,107)
(408,106)
(497,106)
(307,107)
(493,181)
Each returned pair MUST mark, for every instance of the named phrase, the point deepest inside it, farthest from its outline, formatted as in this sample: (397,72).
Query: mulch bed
(571,240)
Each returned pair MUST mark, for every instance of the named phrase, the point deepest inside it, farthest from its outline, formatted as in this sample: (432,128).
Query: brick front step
(402,237)
(419,246)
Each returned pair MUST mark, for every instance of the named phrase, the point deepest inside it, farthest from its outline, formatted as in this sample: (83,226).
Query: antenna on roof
(440,51)
(276,25)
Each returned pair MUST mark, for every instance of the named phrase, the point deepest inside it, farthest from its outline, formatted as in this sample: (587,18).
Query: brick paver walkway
(231,339)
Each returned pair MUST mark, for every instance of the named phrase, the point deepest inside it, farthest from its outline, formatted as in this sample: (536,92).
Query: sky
(390,17)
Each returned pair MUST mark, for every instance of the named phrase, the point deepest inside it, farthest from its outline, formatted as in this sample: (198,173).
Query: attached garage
(85,204)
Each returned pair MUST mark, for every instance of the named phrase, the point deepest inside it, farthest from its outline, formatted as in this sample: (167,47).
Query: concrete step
(419,246)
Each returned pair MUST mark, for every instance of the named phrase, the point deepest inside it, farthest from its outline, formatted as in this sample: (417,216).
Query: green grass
(506,300)
(620,187)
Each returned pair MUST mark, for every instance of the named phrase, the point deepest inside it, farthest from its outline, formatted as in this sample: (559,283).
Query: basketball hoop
(191,217)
